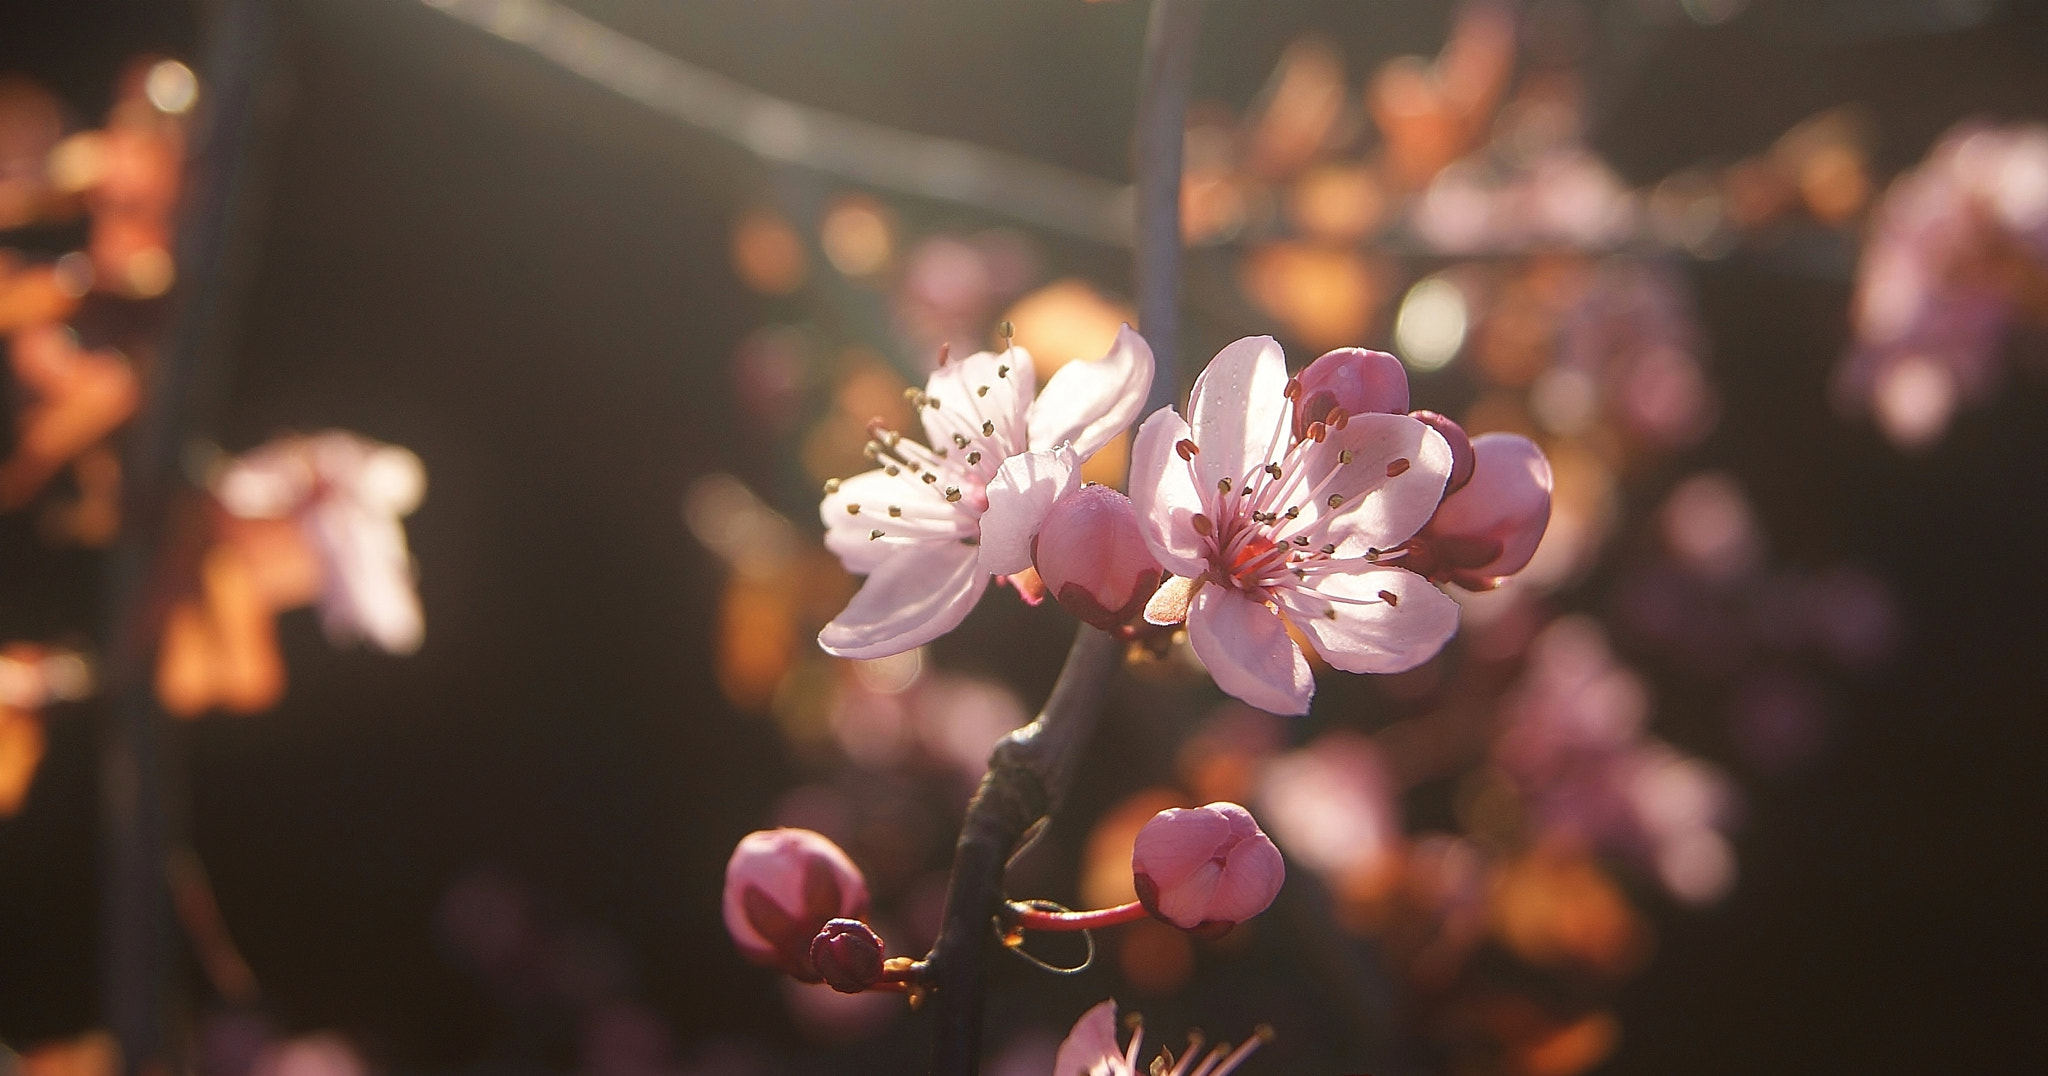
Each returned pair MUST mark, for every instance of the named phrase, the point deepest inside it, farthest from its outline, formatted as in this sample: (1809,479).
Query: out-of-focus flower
(1333,805)
(1094,559)
(1320,293)
(323,1054)
(1091,1049)
(1489,529)
(1432,113)
(348,494)
(1206,869)
(847,954)
(31,122)
(1951,245)
(782,886)
(1269,531)
(933,523)
(73,399)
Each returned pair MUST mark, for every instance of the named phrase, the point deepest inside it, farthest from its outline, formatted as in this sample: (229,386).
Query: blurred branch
(1157,147)
(777,129)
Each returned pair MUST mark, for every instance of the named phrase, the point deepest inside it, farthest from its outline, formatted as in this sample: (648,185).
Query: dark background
(524,279)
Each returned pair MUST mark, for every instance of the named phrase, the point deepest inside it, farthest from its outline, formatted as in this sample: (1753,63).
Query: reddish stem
(1031,918)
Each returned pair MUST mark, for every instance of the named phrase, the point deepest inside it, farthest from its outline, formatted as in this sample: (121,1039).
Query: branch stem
(1031,918)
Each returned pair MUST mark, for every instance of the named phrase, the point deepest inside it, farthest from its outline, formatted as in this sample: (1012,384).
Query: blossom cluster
(1316,504)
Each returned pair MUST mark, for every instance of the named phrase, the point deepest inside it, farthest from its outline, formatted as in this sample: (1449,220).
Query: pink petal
(922,592)
(962,405)
(1389,489)
(1252,877)
(1090,1049)
(1090,401)
(1380,636)
(1190,902)
(1176,842)
(1248,653)
(1164,494)
(1508,500)
(1019,497)
(848,534)
(1239,404)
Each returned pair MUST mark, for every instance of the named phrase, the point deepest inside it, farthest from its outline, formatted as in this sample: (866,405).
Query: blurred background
(1744,774)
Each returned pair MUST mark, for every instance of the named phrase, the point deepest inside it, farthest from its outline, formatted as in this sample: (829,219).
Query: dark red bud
(848,955)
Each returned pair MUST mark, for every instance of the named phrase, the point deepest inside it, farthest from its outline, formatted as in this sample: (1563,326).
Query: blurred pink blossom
(781,887)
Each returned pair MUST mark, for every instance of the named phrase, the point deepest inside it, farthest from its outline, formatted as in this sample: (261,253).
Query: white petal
(849,534)
(1248,652)
(1090,401)
(1164,495)
(985,387)
(1019,496)
(916,595)
(1090,1048)
(1378,510)
(368,591)
(1378,636)
(1239,403)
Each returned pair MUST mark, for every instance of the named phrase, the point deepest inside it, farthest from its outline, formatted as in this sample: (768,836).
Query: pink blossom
(781,887)
(1090,1049)
(934,521)
(1093,558)
(348,494)
(1489,529)
(1206,868)
(1269,530)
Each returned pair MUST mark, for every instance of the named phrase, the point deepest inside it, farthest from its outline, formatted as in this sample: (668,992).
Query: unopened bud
(848,955)
(1351,380)
(1489,529)
(1093,558)
(1461,448)
(782,886)
(1206,869)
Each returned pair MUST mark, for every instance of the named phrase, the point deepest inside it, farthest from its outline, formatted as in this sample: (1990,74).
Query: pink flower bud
(1093,558)
(1461,448)
(781,887)
(848,955)
(1352,380)
(1489,529)
(1206,869)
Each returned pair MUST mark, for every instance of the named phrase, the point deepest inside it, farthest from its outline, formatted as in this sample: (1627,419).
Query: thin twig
(1156,150)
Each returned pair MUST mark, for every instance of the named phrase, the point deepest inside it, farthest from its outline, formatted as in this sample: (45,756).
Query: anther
(852,508)
(1390,598)
(895,512)
(915,395)
(874,534)
(1398,467)
(1339,418)
(892,470)
(1331,613)
(1003,371)
(981,390)
(1188,449)
(1223,485)
(973,458)
(1301,539)
(1007,331)
(1336,500)
(1202,525)
(988,429)
(871,450)
(1294,511)
(932,402)
(945,352)
(1330,549)
(1317,431)
(831,486)
(1273,469)
(1293,390)
(959,440)
(952,494)
(1344,456)
(929,478)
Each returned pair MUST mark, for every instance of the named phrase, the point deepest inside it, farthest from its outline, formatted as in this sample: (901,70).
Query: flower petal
(1388,491)
(859,506)
(1247,651)
(1090,1049)
(1238,408)
(1163,492)
(1019,497)
(922,592)
(1177,841)
(1508,500)
(1251,877)
(1090,401)
(1365,632)
(985,390)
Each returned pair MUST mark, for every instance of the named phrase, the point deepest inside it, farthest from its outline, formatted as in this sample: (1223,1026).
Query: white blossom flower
(936,520)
